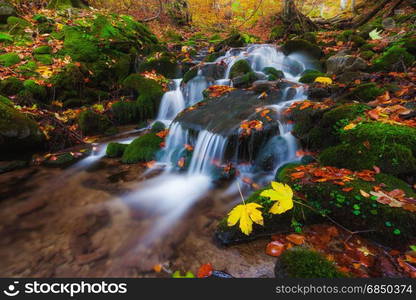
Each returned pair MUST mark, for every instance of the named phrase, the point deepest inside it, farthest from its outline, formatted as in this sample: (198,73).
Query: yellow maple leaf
(324,80)
(282,194)
(246,214)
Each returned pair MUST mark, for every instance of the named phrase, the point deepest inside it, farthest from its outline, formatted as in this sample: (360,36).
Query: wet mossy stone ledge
(92,123)
(302,46)
(385,224)
(18,133)
(115,150)
(299,262)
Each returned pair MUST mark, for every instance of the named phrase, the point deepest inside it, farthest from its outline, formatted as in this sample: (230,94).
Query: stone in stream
(213,71)
(340,63)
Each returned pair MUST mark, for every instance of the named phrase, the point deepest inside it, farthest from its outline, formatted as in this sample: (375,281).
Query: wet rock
(92,257)
(260,86)
(302,46)
(318,93)
(339,64)
(11,166)
(30,206)
(213,71)
(348,77)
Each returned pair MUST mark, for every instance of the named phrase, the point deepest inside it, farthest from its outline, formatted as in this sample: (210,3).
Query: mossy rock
(18,133)
(273,74)
(115,150)
(6,101)
(394,59)
(142,149)
(240,68)
(301,262)
(6,38)
(62,161)
(125,112)
(310,37)
(39,92)
(79,46)
(149,93)
(213,56)
(157,127)
(278,32)
(9,59)
(358,41)
(409,44)
(302,46)
(45,59)
(65,4)
(309,76)
(367,55)
(366,92)
(245,80)
(390,147)
(191,74)
(6,10)
(10,86)
(39,18)
(43,50)
(165,65)
(92,123)
(17,25)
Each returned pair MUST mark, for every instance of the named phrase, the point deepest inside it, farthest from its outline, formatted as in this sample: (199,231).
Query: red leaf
(205,271)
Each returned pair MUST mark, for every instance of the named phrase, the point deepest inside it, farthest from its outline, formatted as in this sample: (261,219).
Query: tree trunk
(294,18)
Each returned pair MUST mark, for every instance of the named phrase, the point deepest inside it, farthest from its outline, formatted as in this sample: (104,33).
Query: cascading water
(177,191)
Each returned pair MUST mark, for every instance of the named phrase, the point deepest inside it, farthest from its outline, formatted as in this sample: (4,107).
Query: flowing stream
(173,192)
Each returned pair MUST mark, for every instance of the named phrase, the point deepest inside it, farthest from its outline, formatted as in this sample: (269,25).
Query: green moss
(157,127)
(17,25)
(368,55)
(115,150)
(18,133)
(346,35)
(65,4)
(45,59)
(62,161)
(367,47)
(366,92)
(358,40)
(309,76)
(9,59)
(39,18)
(213,56)
(164,65)
(391,147)
(304,263)
(149,94)
(240,68)
(6,38)
(125,112)
(303,46)
(409,44)
(10,86)
(278,32)
(192,73)
(310,37)
(142,149)
(43,50)
(92,123)
(80,46)
(234,40)
(394,59)
(273,74)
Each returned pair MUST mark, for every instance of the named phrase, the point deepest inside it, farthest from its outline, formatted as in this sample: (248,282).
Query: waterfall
(194,89)
(172,103)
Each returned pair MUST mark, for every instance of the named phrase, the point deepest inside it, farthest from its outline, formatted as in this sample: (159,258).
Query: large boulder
(339,64)
(6,10)
(302,46)
(18,133)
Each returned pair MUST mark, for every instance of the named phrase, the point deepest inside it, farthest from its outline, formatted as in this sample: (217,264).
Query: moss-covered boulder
(396,58)
(17,25)
(385,224)
(45,49)
(92,123)
(65,4)
(6,101)
(149,94)
(18,133)
(79,46)
(37,91)
(191,74)
(158,127)
(366,92)
(240,68)
(273,74)
(309,76)
(302,46)
(341,63)
(278,32)
(390,147)
(235,40)
(115,150)
(142,149)
(6,10)
(9,59)
(6,38)
(165,65)
(301,262)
